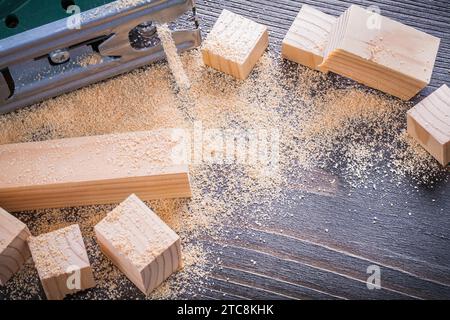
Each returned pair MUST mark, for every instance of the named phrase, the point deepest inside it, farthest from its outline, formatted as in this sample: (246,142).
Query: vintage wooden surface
(320,245)
(296,257)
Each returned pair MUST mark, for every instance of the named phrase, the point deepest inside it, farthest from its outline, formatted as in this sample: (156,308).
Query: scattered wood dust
(173,59)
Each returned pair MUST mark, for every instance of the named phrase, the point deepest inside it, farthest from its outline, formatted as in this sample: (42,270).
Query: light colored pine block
(140,244)
(381,53)
(235,44)
(94,170)
(62,262)
(14,251)
(306,40)
(429,124)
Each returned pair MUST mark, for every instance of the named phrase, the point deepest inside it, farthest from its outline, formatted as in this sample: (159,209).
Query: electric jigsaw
(44,44)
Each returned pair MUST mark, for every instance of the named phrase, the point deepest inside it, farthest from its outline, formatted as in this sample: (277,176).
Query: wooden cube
(235,44)
(14,251)
(429,124)
(62,262)
(381,53)
(307,37)
(140,244)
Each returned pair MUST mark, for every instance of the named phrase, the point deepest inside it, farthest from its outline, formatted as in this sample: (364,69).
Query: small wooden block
(14,251)
(62,262)
(429,124)
(94,170)
(235,44)
(381,53)
(307,38)
(142,246)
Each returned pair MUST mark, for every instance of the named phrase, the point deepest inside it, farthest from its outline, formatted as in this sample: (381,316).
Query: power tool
(46,45)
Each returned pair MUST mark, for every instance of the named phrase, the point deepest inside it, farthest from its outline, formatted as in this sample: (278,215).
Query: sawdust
(90,59)
(233,36)
(173,59)
(323,122)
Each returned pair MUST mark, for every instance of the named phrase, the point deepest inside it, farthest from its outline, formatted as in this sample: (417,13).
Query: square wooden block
(62,262)
(140,244)
(235,44)
(306,40)
(429,124)
(381,53)
(14,251)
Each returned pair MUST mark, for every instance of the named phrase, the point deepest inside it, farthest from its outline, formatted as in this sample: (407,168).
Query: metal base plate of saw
(44,45)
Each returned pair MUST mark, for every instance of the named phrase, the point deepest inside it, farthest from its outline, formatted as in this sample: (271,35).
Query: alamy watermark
(374,280)
(74,21)
(73,281)
(254,147)
(374,20)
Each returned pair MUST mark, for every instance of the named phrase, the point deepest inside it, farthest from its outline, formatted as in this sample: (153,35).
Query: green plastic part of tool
(17,16)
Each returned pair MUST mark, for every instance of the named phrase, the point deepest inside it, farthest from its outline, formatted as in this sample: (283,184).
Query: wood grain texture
(429,124)
(234,45)
(412,250)
(381,53)
(14,251)
(62,262)
(307,38)
(409,241)
(93,170)
(144,248)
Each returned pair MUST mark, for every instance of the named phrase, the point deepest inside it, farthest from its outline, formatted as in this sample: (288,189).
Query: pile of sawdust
(323,122)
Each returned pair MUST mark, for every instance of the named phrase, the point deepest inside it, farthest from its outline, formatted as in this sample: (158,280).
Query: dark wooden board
(319,246)
(323,246)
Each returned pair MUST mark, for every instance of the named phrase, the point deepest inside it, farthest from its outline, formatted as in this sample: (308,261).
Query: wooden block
(235,44)
(142,246)
(93,170)
(62,262)
(306,40)
(429,124)
(381,53)
(14,251)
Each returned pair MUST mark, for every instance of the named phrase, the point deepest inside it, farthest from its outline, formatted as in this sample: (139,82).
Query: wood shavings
(90,59)
(173,59)
(325,123)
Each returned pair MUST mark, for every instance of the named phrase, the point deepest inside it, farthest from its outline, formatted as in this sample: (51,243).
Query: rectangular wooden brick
(381,53)
(93,170)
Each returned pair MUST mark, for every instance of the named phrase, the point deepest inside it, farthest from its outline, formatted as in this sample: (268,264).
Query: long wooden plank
(93,170)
